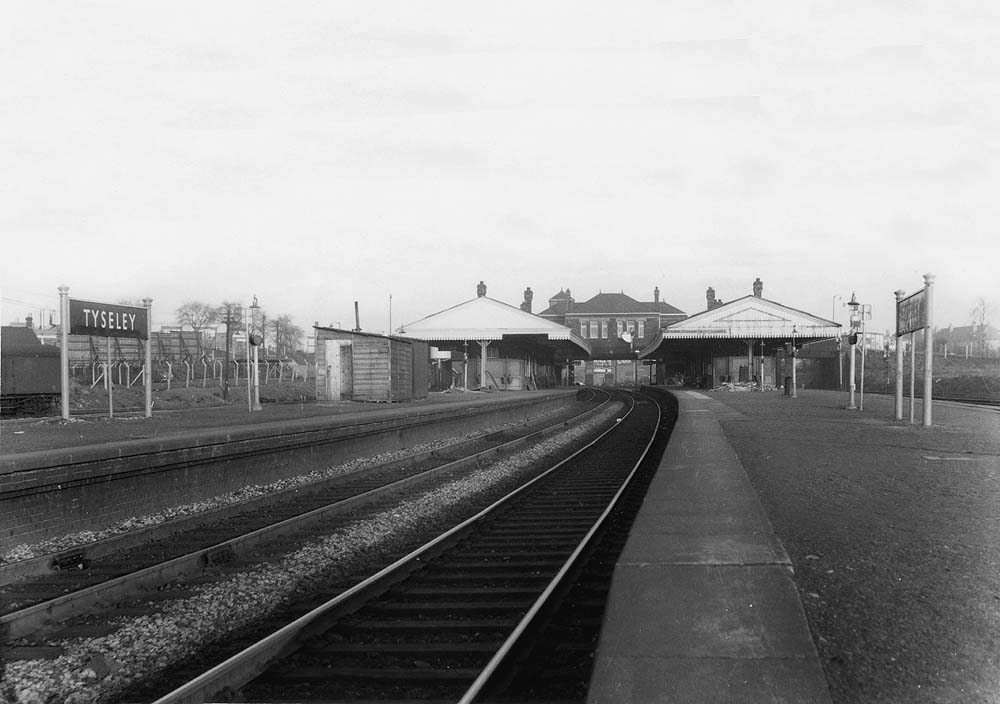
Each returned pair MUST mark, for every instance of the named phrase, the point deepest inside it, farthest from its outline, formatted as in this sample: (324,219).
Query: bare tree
(982,315)
(198,315)
(233,309)
(287,335)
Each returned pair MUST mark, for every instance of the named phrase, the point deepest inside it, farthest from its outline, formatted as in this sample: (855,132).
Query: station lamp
(794,383)
(853,339)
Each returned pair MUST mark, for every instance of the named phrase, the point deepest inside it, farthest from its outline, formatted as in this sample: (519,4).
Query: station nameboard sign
(106,320)
(911,314)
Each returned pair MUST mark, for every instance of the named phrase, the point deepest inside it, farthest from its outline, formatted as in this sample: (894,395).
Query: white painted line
(953,459)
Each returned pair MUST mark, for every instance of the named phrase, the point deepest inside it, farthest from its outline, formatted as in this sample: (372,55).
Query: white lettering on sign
(911,314)
(90,318)
(109,319)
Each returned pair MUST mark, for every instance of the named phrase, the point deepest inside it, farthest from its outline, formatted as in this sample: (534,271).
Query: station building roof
(484,318)
(749,318)
(607,304)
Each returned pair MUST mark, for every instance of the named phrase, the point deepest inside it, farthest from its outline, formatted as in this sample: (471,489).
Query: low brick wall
(50,494)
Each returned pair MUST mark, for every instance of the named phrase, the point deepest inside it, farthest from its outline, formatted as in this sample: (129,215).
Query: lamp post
(626,337)
(254,342)
(853,305)
(794,384)
(840,355)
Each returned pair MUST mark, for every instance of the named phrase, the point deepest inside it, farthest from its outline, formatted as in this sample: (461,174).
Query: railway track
(457,618)
(35,597)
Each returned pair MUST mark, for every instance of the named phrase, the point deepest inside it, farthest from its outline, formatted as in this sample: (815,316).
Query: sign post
(64,348)
(147,374)
(928,347)
(899,359)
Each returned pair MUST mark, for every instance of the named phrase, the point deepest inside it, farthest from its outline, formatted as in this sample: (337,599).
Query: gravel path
(894,532)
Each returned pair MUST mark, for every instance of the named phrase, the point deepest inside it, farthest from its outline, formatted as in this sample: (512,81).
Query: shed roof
(484,318)
(747,318)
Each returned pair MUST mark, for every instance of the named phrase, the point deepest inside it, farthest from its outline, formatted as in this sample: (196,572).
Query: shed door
(339,370)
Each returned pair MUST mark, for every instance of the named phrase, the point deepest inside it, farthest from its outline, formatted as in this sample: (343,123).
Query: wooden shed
(358,366)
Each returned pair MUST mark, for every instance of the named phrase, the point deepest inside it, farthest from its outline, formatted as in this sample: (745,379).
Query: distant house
(614,324)
(968,340)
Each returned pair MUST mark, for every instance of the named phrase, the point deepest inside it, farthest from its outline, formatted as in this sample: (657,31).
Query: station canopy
(747,318)
(486,319)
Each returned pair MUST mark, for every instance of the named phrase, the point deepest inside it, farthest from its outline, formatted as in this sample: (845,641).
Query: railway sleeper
(478,553)
(531,567)
(421,609)
(468,592)
(485,577)
(396,675)
(433,627)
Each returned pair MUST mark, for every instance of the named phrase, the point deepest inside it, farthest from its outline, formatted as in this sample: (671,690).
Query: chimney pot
(481,289)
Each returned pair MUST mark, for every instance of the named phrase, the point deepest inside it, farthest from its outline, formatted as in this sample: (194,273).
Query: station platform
(24,436)
(703,607)
(59,477)
(891,592)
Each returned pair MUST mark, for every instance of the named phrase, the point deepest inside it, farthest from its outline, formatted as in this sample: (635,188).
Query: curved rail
(243,667)
(544,599)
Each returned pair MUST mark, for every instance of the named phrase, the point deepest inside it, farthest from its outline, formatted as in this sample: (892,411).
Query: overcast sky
(319,153)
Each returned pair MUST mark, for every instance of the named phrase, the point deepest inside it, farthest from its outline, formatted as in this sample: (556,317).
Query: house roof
(604,304)
(747,318)
(22,341)
(485,318)
(969,333)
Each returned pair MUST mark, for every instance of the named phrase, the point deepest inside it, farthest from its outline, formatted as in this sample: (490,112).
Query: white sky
(319,153)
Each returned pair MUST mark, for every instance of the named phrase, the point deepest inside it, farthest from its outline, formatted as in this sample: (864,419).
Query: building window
(631,328)
(593,329)
(621,327)
(642,328)
(604,329)
(583,328)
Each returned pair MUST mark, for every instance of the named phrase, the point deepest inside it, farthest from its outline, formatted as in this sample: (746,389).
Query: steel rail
(510,644)
(239,669)
(30,620)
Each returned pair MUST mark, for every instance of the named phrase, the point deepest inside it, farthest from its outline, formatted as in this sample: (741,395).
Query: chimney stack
(758,288)
(29,323)
(656,295)
(710,298)
(528,295)
(481,289)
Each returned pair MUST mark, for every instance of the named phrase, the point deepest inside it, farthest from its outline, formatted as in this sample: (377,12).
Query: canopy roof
(747,318)
(484,318)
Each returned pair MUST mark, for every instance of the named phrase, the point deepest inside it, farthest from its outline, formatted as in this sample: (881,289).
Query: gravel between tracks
(96,669)
(896,551)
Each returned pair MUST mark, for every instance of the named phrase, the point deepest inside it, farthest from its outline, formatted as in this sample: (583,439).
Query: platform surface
(703,606)
(794,550)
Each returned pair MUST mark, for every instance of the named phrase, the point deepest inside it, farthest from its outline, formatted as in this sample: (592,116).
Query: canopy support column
(483,344)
